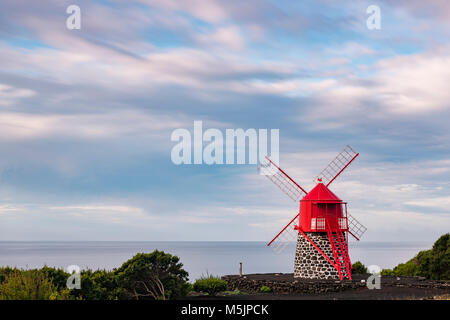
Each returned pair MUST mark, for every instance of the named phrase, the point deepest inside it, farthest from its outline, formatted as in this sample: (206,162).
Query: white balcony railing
(318,224)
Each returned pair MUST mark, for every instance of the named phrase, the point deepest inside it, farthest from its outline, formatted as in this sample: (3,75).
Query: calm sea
(218,258)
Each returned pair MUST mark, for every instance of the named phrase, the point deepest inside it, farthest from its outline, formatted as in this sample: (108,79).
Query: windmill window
(320,224)
(343,223)
(313,223)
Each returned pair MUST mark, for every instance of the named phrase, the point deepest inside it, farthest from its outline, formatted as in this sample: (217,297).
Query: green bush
(438,267)
(432,264)
(359,268)
(265,289)
(5,272)
(56,275)
(387,272)
(156,275)
(30,285)
(235,292)
(99,285)
(210,284)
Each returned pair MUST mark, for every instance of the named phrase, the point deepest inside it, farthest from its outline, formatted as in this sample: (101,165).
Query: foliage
(30,285)
(210,284)
(157,270)
(95,285)
(439,264)
(432,264)
(156,275)
(265,289)
(233,293)
(99,285)
(387,272)
(5,272)
(57,276)
(409,268)
(359,268)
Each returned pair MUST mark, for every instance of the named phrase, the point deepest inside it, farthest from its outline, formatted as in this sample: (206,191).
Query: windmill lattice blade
(286,236)
(281,180)
(335,167)
(355,228)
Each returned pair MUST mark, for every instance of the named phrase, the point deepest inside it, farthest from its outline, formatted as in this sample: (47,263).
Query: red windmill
(322,225)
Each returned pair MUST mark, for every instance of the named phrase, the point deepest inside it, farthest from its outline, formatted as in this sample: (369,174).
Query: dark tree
(156,275)
(359,268)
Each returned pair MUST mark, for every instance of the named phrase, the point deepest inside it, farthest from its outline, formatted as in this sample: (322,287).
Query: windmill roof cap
(321,193)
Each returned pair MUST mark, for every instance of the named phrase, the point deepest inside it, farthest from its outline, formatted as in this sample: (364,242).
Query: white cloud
(20,126)
(117,214)
(9,94)
(402,225)
(401,87)
(5,209)
(351,50)
(97,66)
(440,203)
(438,9)
(207,10)
(224,38)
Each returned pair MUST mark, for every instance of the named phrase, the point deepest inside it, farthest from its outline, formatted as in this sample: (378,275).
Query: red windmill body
(322,225)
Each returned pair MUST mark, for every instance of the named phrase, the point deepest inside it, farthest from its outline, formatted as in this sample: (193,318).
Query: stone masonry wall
(309,263)
(287,284)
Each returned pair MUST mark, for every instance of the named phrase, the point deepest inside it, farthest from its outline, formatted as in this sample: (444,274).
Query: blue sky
(86,115)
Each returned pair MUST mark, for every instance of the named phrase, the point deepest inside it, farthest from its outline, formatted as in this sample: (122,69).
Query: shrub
(210,284)
(30,285)
(265,289)
(5,272)
(439,263)
(156,275)
(432,264)
(56,275)
(233,293)
(387,272)
(99,285)
(359,268)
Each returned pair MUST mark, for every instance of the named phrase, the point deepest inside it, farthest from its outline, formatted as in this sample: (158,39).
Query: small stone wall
(287,284)
(309,262)
(310,286)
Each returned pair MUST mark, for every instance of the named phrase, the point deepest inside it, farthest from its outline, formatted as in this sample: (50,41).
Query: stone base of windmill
(309,263)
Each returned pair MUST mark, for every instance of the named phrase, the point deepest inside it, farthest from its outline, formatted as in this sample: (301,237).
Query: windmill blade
(286,236)
(281,179)
(335,167)
(355,228)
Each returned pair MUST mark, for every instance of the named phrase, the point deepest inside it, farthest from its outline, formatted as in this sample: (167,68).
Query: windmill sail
(281,180)
(286,236)
(355,228)
(335,167)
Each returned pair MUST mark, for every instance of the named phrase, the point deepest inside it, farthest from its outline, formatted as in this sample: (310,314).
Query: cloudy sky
(86,115)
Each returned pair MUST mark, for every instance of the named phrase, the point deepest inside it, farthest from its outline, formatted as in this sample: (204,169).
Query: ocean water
(218,258)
